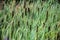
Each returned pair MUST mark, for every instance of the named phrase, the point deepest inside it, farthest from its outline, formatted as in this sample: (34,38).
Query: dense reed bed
(30,20)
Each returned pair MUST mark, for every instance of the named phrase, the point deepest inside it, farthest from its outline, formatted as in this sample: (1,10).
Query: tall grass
(39,20)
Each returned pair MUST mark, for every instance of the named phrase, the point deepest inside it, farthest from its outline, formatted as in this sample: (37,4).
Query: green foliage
(38,21)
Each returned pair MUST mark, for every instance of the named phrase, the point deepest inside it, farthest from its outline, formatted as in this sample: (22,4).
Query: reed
(30,20)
